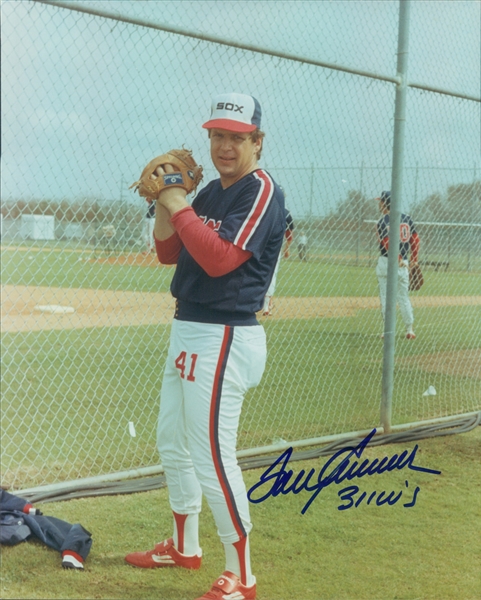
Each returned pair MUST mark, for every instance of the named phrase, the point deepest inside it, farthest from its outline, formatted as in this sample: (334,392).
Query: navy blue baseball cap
(234,112)
(385,198)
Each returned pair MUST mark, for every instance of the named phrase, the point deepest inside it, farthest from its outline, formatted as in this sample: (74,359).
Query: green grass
(324,279)
(68,393)
(331,372)
(428,552)
(71,269)
(78,269)
(67,396)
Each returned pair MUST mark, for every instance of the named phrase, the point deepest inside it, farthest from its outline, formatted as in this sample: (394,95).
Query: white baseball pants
(209,369)
(148,233)
(272,285)
(402,299)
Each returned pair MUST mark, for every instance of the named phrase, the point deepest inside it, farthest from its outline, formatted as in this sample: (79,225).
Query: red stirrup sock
(238,561)
(186,534)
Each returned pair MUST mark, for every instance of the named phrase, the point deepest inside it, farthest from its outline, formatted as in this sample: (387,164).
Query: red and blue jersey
(251,215)
(407,231)
(289,225)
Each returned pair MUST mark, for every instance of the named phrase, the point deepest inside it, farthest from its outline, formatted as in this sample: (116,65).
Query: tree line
(83,211)
(461,203)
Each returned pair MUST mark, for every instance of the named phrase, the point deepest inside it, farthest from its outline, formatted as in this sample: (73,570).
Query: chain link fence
(89,96)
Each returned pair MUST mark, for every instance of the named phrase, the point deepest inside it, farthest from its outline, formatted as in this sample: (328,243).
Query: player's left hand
(165,175)
(172,199)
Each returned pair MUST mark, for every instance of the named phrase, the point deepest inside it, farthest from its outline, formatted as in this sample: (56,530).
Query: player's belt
(198,313)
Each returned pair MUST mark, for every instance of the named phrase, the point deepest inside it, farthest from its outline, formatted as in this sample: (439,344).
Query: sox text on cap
(234,112)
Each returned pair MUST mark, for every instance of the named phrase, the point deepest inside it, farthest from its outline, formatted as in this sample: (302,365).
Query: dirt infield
(23,307)
(464,363)
(92,308)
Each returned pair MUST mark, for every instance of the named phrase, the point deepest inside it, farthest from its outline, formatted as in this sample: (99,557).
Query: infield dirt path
(103,308)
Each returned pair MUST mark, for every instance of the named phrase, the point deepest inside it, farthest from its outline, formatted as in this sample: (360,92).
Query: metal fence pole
(360,214)
(395,216)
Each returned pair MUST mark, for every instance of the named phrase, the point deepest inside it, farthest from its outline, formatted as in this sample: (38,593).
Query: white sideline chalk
(54,308)
(430,391)
(132,429)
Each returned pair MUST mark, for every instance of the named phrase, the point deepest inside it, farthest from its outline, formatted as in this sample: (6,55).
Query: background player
(408,240)
(289,236)
(226,247)
(302,246)
(148,226)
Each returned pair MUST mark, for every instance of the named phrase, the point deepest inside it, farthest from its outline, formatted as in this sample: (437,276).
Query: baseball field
(73,381)
(358,98)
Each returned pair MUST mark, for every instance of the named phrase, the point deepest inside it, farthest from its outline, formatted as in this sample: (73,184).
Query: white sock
(238,561)
(186,534)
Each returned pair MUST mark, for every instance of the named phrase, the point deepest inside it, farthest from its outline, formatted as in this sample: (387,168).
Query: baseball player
(302,246)
(148,228)
(268,303)
(225,247)
(408,241)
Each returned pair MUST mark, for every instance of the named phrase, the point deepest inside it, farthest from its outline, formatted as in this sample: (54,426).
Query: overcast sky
(88,101)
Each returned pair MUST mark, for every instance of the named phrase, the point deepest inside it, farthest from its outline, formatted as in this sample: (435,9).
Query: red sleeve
(288,235)
(215,255)
(414,243)
(168,250)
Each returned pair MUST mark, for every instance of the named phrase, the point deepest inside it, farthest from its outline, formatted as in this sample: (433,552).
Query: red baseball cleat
(163,555)
(229,587)
(410,335)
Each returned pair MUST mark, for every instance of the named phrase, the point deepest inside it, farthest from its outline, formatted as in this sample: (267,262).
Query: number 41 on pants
(180,363)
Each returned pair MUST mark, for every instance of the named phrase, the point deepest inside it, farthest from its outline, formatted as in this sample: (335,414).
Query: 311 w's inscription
(341,467)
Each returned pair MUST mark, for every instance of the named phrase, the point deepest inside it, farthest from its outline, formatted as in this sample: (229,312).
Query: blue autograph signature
(277,478)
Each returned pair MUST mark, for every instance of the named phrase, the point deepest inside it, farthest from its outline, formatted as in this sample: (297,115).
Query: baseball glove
(187,174)
(416,278)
